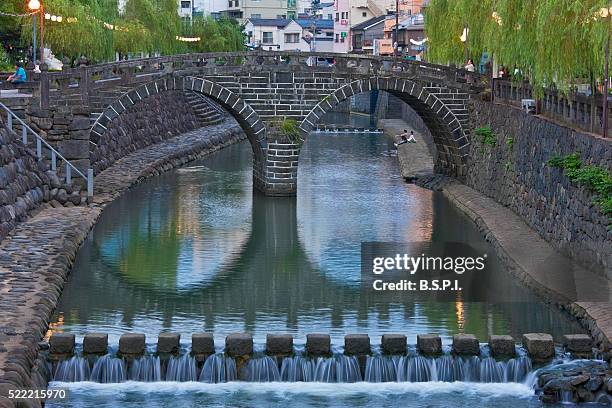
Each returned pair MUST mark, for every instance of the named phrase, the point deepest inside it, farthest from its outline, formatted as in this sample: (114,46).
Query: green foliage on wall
(290,129)
(596,179)
(486,135)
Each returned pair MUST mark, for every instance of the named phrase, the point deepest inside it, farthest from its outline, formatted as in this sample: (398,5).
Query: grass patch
(289,129)
(486,135)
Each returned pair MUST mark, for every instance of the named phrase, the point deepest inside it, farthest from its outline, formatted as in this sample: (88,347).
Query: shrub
(289,129)
(596,179)
(486,135)
(5,61)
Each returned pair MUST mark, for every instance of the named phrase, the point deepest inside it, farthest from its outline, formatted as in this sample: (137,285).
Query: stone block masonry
(514,172)
(26,183)
(280,169)
(163,116)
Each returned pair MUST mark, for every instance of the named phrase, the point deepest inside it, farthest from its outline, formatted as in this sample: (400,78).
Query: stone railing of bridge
(573,109)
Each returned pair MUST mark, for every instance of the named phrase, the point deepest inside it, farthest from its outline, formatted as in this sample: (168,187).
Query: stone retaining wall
(24,183)
(514,172)
(163,116)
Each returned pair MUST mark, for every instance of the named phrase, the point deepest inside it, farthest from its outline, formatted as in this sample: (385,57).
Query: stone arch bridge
(262,90)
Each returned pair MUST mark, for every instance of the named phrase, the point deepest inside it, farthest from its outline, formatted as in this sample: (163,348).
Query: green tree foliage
(97,30)
(217,36)
(550,41)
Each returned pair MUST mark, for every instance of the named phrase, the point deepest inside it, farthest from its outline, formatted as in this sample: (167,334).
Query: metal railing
(55,155)
(573,109)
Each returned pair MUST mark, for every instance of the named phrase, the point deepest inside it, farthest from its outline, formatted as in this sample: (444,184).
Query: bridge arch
(449,131)
(244,114)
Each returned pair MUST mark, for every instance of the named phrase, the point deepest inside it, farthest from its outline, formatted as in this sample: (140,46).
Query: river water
(197,250)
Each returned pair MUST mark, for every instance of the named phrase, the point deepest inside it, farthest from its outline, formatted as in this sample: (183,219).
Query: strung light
(47,16)
(59,19)
(188,39)
(34,5)
(497,18)
(53,18)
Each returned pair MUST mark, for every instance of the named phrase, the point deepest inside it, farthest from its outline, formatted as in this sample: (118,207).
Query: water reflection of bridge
(265,278)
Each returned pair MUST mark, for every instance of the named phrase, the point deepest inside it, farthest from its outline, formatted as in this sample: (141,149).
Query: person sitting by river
(19,76)
(405,138)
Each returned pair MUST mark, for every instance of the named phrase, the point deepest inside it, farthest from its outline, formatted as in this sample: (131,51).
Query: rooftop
(270,22)
(320,23)
(369,23)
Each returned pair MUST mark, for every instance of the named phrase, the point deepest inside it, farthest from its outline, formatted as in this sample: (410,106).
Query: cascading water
(381,369)
(339,368)
(297,368)
(263,369)
(416,369)
(181,369)
(74,369)
(518,369)
(109,369)
(218,369)
(446,368)
(145,369)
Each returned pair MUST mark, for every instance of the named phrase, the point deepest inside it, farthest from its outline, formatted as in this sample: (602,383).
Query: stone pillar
(278,175)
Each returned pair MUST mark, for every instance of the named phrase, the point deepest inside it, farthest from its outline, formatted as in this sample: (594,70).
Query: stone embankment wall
(515,173)
(23,183)
(26,182)
(163,116)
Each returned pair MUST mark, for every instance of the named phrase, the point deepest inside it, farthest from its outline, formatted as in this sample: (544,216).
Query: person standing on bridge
(470,67)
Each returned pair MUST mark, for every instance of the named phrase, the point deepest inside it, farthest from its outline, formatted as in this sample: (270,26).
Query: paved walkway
(416,157)
(36,257)
(528,256)
(537,264)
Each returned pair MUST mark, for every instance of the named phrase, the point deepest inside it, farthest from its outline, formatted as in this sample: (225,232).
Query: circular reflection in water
(196,250)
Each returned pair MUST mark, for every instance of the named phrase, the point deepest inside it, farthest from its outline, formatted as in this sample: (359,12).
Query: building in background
(318,33)
(242,10)
(365,34)
(210,8)
(342,26)
(411,37)
(275,35)
(364,10)
(406,7)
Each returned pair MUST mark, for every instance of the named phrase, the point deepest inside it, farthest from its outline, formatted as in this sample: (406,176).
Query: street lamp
(464,39)
(34,5)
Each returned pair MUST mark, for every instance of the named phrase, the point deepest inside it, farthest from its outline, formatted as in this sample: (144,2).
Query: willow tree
(216,36)
(550,41)
(131,36)
(79,33)
(161,18)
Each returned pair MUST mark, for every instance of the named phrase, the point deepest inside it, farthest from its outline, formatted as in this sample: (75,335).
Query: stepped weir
(501,360)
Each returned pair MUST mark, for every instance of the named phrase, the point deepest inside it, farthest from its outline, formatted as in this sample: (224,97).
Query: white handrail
(54,153)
